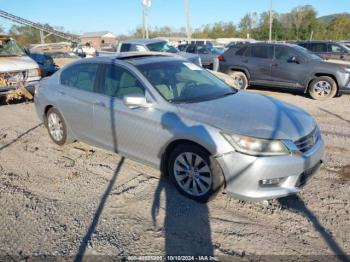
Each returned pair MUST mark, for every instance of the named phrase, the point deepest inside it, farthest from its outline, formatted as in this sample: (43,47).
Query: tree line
(301,23)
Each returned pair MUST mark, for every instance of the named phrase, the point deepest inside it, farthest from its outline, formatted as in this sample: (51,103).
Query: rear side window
(241,51)
(318,47)
(80,76)
(119,82)
(125,48)
(305,45)
(262,51)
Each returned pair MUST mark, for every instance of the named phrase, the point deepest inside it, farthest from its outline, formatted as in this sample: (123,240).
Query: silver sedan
(164,111)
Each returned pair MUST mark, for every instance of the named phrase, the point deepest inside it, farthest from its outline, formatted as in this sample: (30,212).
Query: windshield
(215,51)
(162,47)
(307,54)
(184,82)
(9,47)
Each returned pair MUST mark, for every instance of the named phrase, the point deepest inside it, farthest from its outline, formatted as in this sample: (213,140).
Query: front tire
(56,126)
(240,79)
(323,88)
(194,173)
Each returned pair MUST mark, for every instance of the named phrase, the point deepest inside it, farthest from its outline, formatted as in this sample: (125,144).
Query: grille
(305,143)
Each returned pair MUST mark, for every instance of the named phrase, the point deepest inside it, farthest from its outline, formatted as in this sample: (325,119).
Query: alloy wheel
(55,127)
(322,88)
(192,174)
(239,83)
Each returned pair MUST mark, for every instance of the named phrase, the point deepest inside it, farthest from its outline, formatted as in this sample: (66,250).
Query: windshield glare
(162,47)
(184,82)
(9,47)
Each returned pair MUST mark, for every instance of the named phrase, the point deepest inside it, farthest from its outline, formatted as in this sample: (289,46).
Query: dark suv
(328,50)
(285,65)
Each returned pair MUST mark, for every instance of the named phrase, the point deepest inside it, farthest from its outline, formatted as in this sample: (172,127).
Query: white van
(16,67)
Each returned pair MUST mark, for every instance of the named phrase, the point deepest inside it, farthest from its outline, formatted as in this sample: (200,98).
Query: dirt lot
(77,200)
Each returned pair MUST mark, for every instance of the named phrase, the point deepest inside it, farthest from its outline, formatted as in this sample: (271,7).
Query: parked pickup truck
(16,68)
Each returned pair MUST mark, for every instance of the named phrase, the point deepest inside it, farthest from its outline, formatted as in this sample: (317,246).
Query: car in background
(52,61)
(169,113)
(62,58)
(346,43)
(208,54)
(287,66)
(182,47)
(220,48)
(45,62)
(155,45)
(328,49)
(16,67)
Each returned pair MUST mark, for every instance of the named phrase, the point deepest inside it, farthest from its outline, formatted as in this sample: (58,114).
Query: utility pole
(188,24)
(145,5)
(270,34)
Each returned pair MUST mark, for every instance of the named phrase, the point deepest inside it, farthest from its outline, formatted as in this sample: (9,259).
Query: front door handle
(61,93)
(274,64)
(100,103)
(245,60)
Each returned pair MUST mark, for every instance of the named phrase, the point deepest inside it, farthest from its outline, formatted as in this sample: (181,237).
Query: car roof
(135,58)
(143,41)
(267,43)
(317,41)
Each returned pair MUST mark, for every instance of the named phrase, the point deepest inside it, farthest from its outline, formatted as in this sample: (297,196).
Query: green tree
(26,35)
(247,24)
(339,28)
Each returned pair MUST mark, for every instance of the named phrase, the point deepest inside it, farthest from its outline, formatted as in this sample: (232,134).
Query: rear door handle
(61,92)
(275,64)
(245,60)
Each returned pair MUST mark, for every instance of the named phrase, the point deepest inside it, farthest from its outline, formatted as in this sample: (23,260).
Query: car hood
(253,115)
(17,63)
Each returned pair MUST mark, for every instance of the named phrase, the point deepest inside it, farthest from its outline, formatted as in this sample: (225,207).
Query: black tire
(217,177)
(323,88)
(240,79)
(63,139)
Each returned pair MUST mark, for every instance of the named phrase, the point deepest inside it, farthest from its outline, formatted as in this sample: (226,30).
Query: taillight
(221,58)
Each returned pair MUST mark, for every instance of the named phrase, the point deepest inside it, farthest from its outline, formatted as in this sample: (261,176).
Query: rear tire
(240,79)
(56,127)
(195,173)
(323,88)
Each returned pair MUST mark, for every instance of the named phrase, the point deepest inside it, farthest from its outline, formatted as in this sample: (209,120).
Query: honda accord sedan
(164,111)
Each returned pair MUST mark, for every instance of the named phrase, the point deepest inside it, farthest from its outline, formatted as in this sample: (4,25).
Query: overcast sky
(122,16)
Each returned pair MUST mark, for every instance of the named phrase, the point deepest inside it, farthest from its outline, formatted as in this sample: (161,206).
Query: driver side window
(284,53)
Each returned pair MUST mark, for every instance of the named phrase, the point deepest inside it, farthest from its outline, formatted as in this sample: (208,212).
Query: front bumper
(31,86)
(244,173)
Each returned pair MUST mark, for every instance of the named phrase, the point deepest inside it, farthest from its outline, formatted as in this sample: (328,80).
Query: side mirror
(135,101)
(293,59)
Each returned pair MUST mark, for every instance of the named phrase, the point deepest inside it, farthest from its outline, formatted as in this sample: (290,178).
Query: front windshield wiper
(201,99)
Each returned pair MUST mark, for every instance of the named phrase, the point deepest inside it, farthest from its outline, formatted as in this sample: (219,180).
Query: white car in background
(16,67)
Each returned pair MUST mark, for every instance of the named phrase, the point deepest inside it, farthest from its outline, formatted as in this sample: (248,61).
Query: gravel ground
(78,200)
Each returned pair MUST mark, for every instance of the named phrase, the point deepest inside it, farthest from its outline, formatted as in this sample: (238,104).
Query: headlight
(256,146)
(34,72)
